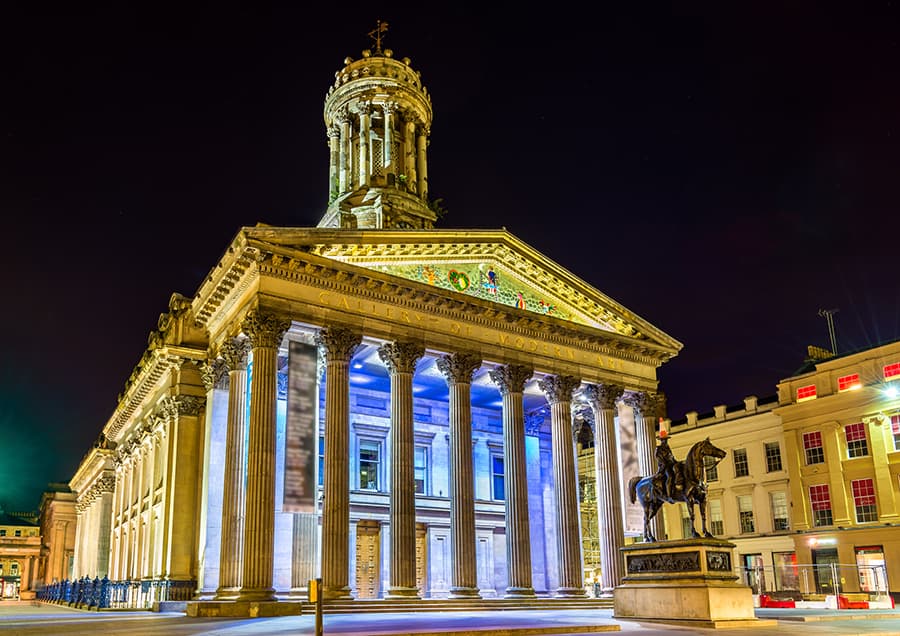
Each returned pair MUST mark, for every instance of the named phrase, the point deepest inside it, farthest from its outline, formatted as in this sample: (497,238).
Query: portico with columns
(446,369)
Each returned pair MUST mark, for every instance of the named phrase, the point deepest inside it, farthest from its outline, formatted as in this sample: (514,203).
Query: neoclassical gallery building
(375,401)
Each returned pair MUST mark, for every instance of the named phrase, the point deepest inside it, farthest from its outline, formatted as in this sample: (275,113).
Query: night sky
(725,172)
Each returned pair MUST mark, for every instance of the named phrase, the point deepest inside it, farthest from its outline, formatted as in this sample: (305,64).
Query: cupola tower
(378,119)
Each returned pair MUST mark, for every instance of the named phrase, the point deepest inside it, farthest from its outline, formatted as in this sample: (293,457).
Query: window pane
(745,508)
(716,525)
(891,370)
(773,457)
(864,500)
(369,458)
(712,469)
(421,469)
(856,440)
(812,444)
(321,460)
(497,472)
(820,499)
(806,392)
(741,469)
(780,511)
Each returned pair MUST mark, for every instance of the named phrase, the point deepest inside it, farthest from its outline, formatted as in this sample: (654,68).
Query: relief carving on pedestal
(665,562)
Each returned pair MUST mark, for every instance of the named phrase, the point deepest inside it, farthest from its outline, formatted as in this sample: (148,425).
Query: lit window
(820,501)
(806,393)
(849,382)
(892,370)
(895,429)
(369,460)
(773,457)
(711,468)
(812,444)
(856,440)
(716,525)
(687,528)
(741,468)
(745,508)
(864,500)
(321,460)
(3,533)
(497,474)
(420,463)
(14,568)
(779,511)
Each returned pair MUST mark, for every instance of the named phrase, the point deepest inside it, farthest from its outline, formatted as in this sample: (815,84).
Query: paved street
(26,619)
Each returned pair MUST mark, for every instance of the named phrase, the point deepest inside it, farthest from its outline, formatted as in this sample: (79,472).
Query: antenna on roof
(828,315)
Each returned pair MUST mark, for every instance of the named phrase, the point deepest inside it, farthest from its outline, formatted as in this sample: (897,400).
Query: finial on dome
(376,34)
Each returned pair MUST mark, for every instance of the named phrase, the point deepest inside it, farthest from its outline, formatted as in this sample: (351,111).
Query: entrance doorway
(368,558)
(755,573)
(825,564)
(872,570)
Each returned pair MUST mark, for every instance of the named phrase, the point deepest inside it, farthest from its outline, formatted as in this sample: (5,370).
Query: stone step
(453,605)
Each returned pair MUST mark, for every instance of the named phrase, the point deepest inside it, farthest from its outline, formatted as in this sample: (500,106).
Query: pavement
(24,618)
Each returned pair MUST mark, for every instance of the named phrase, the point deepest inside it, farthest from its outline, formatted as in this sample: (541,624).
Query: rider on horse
(667,478)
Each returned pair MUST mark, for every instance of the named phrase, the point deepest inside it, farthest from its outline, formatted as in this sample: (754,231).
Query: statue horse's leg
(706,532)
(650,509)
(694,533)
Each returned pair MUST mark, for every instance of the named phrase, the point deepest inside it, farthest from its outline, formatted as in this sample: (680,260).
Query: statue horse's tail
(632,487)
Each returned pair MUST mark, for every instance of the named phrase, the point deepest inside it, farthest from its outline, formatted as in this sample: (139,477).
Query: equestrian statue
(675,481)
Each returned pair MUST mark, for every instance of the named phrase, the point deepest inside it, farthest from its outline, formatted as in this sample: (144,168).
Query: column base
(337,593)
(264,594)
(464,592)
(571,592)
(299,592)
(227,593)
(402,592)
(520,592)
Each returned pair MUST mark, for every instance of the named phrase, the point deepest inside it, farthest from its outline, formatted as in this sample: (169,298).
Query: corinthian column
(458,369)
(602,399)
(511,381)
(558,390)
(234,352)
(365,113)
(400,359)
(265,332)
(344,178)
(337,347)
(645,407)
(422,163)
(334,140)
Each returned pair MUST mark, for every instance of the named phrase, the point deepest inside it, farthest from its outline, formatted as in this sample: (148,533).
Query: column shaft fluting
(334,155)
(458,369)
(558,390)
(265,333)
(337,347)
(511,381)
(400,359)
(231,547)
(422,164)
(608,488)
(343,120)
(364,143)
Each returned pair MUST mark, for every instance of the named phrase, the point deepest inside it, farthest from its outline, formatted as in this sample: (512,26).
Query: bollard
(315,596)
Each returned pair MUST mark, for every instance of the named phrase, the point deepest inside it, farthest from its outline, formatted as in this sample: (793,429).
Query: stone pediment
(490,265)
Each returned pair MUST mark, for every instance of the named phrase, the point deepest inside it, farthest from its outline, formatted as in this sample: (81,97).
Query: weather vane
(380,27)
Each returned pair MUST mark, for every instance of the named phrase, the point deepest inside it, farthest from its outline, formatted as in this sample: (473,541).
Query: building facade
(58,520)
(841,419)
(374,401)
(20,553)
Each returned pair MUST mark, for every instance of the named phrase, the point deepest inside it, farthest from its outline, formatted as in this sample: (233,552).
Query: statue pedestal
(688,582)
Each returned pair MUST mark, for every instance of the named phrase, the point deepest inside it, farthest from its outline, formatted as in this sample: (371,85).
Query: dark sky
(724,170)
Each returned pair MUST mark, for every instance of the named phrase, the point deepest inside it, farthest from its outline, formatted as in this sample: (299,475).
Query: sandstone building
(373,400)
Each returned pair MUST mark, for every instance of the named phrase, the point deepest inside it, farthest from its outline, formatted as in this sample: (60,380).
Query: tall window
(773,457)
(369,464)
(420,467)
(687,528)
(895,429)
(821,505)
(779,511)
(806,393)
(711,468)
(497,477)
(321,460)
(849,382)
(812,444)
(864,500)
(741,469)
(892,370)
(716,525)
(856,440)
(745,508)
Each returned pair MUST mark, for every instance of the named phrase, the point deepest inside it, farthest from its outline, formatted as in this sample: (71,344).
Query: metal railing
(804,581)
(102,593)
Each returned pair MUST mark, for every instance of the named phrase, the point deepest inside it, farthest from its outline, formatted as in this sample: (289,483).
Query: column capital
(400,357)
(603,396)
(264,330)
(533,424)
(645,402)
(511,378)
(211,372)
(458,368)
(333,132)
(559,388)
(391,108)
(409,116)
(234,352)
(172,407)
(343,116)
(364,108)
(337,344)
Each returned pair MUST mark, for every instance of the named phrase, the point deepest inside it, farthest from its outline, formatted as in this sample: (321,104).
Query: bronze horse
(692,489)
